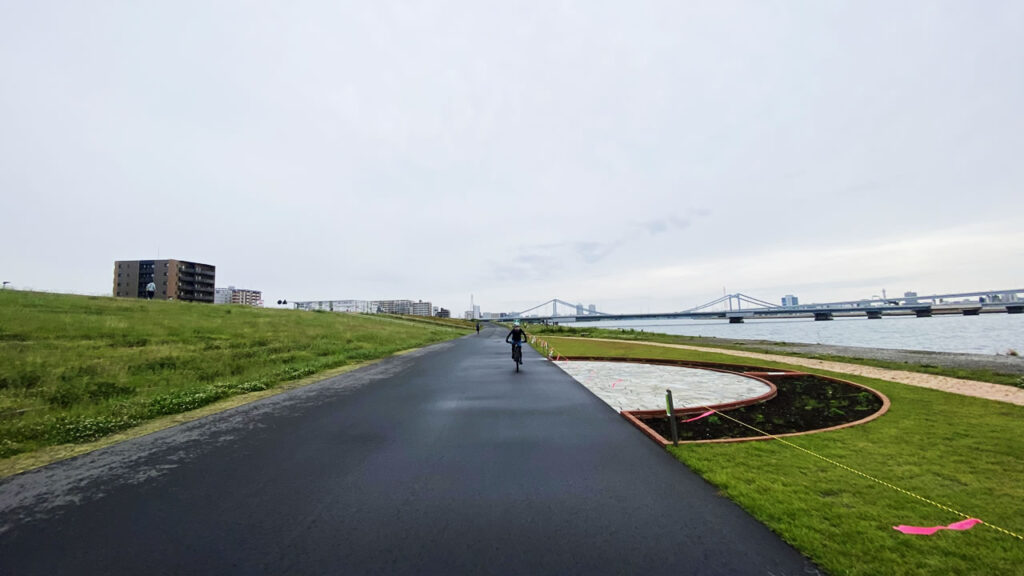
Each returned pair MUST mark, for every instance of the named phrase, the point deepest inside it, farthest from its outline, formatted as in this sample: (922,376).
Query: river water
(984,334)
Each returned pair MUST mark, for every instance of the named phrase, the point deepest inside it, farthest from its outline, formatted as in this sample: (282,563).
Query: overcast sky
(639,156)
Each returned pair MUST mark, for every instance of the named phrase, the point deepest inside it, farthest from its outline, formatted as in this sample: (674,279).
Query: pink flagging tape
(704,415)
(929,530)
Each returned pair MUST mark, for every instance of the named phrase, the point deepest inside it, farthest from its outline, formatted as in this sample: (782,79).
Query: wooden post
(671,417)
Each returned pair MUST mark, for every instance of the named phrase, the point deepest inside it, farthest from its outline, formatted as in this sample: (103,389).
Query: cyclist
(515,337)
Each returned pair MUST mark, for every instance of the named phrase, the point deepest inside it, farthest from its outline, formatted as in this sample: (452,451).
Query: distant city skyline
(789,300)
(636,157)
(483,309)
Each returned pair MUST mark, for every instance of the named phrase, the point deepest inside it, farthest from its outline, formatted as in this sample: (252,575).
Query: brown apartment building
(174,279)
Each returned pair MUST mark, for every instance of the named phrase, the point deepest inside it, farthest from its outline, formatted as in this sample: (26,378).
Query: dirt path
(955,385)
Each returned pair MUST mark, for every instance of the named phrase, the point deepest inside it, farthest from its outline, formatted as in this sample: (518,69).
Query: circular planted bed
(748,402)
(640,386)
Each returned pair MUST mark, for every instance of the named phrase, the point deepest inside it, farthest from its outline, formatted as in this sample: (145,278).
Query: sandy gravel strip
(986,390)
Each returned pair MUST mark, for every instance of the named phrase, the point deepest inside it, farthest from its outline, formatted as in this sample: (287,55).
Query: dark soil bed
(805,402)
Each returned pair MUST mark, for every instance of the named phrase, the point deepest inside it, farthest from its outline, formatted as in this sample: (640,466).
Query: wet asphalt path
(444,461)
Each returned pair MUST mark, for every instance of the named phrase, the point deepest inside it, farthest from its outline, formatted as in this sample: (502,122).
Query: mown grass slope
(77,368)
(964,453)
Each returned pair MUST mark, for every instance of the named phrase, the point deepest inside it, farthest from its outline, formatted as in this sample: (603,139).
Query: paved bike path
(443,461)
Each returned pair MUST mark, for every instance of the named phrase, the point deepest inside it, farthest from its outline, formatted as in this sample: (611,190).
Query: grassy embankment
(963,452)
(75,368)
(776,348)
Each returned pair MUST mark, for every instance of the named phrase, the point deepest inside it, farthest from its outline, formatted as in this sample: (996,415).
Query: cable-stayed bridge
(739,307)
(567,309)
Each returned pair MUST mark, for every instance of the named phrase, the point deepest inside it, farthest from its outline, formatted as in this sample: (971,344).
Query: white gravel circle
(633,386)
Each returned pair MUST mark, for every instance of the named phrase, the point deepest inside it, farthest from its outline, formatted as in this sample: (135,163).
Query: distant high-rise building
(172,280)
(1000,297)
(790,300)
(443,313)
(420,308)
(911,297)
(355,306)
(246,297)
(476,311)
(232,295)
(393,306)
(592,309)
(579,309)
(222,295)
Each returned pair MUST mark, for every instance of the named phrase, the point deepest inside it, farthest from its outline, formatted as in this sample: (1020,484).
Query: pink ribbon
(708,413)
(929,530)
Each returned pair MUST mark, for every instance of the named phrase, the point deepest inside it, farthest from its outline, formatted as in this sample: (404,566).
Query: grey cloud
(673,222)
(532,265)
(545,260)
(661,225)
(593,252)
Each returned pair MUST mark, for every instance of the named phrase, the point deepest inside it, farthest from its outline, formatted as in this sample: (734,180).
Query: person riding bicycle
(516,337)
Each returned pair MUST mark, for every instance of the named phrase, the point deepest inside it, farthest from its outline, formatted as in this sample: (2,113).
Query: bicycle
(517,353)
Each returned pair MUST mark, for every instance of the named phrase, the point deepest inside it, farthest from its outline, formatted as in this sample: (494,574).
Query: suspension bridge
(739,307)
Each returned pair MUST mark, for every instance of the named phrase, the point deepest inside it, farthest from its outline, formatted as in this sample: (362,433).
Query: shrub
(25,377)
(65,396)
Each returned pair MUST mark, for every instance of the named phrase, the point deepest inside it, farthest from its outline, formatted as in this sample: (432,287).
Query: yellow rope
(858,472)
(869,477)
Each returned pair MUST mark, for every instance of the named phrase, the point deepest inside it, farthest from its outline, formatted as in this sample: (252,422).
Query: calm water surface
(984,334)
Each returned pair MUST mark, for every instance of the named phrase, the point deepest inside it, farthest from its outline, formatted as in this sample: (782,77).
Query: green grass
(768,348)
(434,321)
(963,452)
(76,368)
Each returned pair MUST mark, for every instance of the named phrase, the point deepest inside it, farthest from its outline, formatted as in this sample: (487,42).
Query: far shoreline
(1007,364)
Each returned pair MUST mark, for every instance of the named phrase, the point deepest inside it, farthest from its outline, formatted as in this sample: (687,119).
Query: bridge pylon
(572,309)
